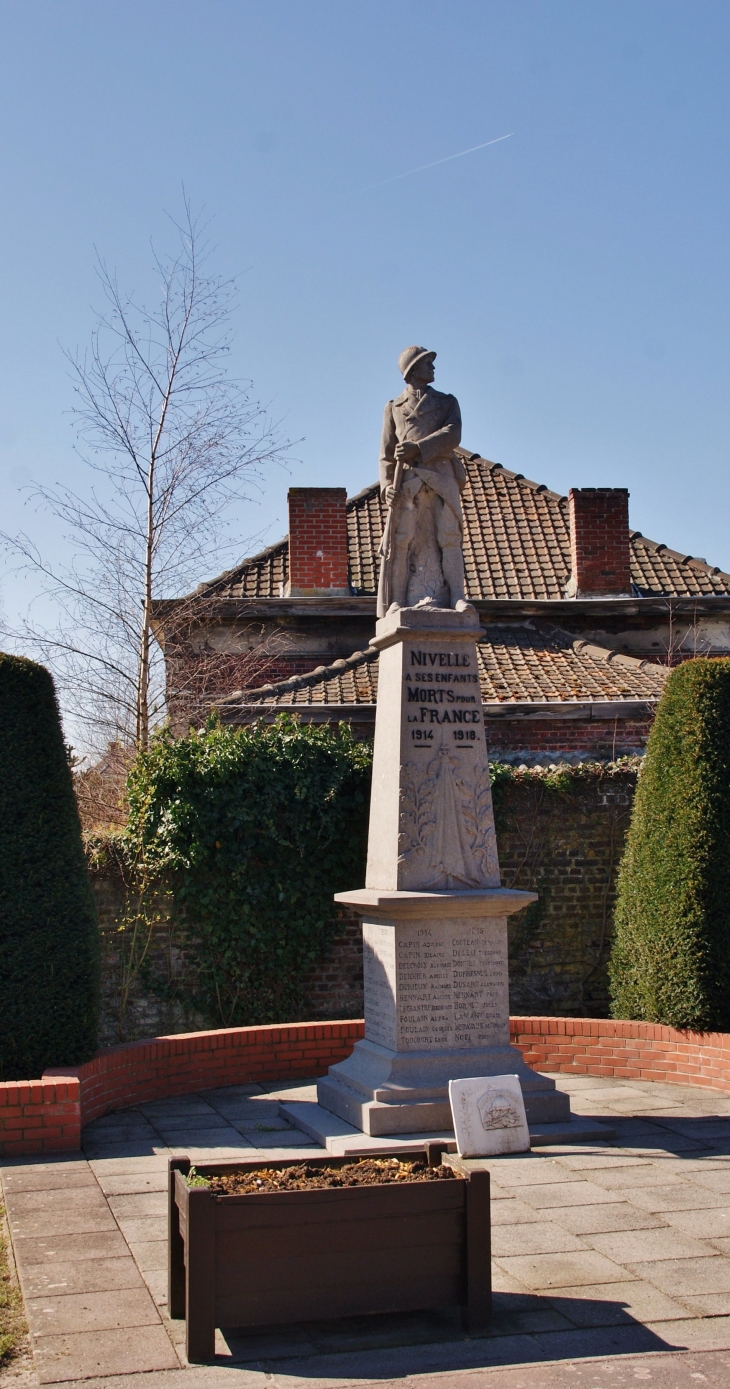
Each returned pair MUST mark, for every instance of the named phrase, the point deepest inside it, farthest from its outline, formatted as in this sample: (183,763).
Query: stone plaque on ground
(489,1116)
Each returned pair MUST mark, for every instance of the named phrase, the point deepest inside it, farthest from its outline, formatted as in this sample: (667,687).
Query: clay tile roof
(517,545)
(525,663)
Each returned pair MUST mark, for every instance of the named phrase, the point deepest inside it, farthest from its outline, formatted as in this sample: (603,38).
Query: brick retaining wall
(47,1115)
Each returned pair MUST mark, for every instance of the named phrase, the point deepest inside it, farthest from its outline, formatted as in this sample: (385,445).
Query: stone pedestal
(434,914)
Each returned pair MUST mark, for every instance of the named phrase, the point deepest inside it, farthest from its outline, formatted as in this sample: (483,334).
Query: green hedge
(671,956)
(252,829)
(49,969)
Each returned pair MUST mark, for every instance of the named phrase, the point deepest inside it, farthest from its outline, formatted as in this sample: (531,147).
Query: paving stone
(658,1144)
(273,1154)
(540,1237)
(616,1303)
(156,1280)
(81,1198)
(703,1224)
(580,1193)
(631,1178)
(512,1212)
(229,1092)
(97,1152)
(129,1166)
(298,1090)
(91,1311)
(708,1304)
(713,1181)
(529,1171)
(107,1244)
(19,1164)
(61,1221)
(82,1276)
(135,1184)
(602,1219)
(633,1246)
(125,1121)
(135,1206)
(196,1123)
(100,1353)
(564,1270)
(258,1111)
(709,1333)
(286,1138)
(182,1104)
(144,1228)
(677,1197)
(597,1161)
(504,1282)
(150,1254)
(509,1320)
(31,1179)
(686,1166)
(222,1136)
(684,1277)
(500,1193)
(253,1124)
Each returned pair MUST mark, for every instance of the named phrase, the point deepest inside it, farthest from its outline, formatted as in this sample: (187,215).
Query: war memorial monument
(434,913)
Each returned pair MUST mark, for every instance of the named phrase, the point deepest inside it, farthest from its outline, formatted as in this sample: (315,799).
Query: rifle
(385,594)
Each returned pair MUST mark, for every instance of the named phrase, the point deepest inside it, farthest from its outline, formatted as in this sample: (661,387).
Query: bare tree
(173,442)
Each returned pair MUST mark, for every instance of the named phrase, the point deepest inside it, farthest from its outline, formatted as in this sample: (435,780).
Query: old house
(581,618)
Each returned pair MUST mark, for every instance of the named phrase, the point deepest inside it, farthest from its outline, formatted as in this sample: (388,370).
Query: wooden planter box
(290,1256)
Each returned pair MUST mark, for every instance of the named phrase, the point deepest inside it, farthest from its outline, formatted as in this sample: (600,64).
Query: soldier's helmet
(408,359)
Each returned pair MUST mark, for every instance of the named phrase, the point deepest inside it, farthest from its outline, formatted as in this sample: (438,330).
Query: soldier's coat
(433,421)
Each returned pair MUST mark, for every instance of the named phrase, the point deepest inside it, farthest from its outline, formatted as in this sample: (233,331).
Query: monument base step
(344,1140)
(382,1092)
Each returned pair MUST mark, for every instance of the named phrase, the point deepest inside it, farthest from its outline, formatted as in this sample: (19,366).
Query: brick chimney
(599,543)
(317,542)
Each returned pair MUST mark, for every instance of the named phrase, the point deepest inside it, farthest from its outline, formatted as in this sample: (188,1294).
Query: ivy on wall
(247,833)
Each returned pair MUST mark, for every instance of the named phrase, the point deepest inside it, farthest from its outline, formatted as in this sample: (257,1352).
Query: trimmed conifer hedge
(49,966)
(670,961)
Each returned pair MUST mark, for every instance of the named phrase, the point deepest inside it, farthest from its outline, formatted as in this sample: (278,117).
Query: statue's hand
(406,452)
(390,495)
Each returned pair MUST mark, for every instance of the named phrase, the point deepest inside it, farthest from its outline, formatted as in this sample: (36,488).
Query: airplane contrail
(432,165)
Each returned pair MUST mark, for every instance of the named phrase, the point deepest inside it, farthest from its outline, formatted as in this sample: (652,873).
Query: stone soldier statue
(421,479)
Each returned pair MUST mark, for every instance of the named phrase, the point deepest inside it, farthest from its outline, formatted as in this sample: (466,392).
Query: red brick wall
(318,561)
(601,738)
(599,539)
(47,1115)
(40,1116)
(626,1050)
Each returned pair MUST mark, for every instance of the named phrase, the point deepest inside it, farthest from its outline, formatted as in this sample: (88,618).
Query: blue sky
(572,278)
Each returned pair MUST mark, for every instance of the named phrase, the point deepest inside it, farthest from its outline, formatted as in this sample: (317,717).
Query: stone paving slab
(607,1218)
(129,1307)
(599,1249)
(541,1271)
(69,1359)
(82,1276)
(106,1244)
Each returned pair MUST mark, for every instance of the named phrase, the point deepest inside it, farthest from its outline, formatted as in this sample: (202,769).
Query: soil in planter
(305,1176)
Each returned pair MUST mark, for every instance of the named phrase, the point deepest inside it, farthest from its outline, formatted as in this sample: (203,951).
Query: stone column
(434,914)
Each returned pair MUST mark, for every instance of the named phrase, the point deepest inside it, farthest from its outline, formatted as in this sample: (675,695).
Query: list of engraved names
(435,985)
